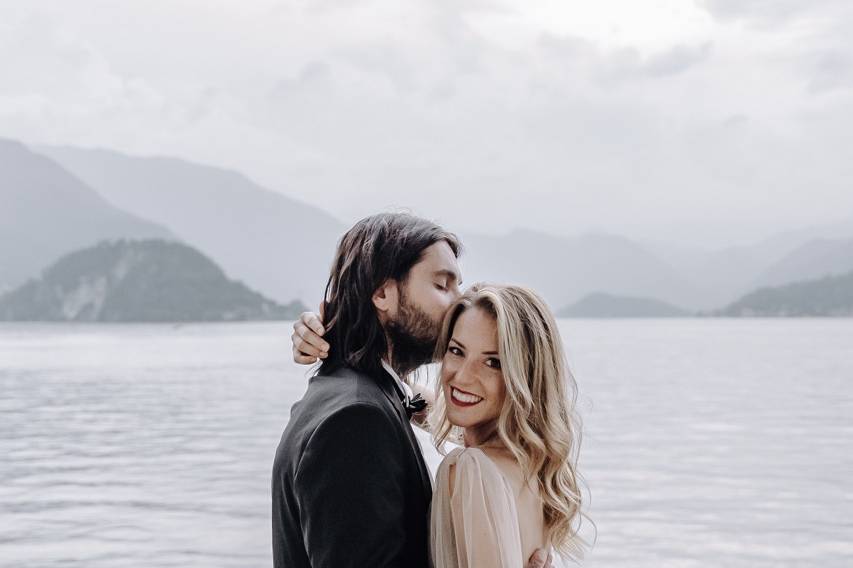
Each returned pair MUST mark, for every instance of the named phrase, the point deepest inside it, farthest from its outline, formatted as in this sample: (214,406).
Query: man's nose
(455,291)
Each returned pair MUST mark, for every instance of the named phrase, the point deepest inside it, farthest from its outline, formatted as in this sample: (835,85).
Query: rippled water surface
(707,442)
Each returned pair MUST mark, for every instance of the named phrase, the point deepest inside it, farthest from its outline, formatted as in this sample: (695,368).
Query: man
(350,487)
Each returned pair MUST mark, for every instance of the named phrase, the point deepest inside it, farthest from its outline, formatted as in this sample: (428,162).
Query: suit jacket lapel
(391,389)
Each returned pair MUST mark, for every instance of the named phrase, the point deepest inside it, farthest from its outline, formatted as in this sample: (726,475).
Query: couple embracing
(350,487)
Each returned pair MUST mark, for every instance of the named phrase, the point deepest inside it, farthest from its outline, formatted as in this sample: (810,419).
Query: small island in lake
(601,305)
(138,281)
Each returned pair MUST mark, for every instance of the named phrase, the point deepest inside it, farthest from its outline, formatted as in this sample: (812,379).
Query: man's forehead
(439,258)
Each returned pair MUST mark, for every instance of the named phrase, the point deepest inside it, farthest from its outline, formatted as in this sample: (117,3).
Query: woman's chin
(460,420)
(463,419)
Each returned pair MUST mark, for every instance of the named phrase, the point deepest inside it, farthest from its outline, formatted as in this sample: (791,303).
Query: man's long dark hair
(376,249)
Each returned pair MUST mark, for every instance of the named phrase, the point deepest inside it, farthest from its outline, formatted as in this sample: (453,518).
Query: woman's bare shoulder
(475,462)
(504,460)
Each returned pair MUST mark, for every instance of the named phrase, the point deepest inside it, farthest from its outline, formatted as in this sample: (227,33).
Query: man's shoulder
(346,386)
(340,401)
(332,392)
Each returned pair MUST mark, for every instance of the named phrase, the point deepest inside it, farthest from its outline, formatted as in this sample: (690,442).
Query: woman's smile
(463,398)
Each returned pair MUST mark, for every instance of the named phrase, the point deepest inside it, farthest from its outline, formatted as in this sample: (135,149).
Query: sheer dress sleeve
(477,526)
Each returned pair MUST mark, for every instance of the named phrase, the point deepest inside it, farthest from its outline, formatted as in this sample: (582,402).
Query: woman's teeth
(465,397)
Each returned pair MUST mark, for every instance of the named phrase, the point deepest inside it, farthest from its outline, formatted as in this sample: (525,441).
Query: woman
(506,395)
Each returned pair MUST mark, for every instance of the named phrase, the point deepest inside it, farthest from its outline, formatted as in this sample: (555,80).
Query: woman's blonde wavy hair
(537,423)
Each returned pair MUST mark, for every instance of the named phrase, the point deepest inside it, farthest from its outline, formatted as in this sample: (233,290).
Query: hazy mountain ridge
(600,305)
(830,296)
(242,226)
(565,269)
(278,245)
(717,275)
(46,212)
(284,248)
(811,260)
(138,281)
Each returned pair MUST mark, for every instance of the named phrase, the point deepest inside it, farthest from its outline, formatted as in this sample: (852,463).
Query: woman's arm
(483,513)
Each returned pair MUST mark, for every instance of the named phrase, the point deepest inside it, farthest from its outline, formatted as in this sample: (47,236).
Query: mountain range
(275,244)
(599,305)
(829,296)
(564,270)
(282,247)
(814,259)
(45,211)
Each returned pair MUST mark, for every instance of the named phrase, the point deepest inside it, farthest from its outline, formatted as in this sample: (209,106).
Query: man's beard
(413,336)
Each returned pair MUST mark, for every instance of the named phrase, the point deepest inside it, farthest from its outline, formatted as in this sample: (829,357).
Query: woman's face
(471,374)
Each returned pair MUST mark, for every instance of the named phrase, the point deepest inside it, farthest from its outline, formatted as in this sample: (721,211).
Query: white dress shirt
(403,386)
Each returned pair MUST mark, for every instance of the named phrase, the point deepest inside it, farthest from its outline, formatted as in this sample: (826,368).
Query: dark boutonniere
(414,405)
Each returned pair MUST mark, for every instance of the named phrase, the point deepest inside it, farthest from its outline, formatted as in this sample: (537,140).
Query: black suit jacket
(349,485)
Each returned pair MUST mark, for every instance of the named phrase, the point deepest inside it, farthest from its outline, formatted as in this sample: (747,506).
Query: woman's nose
(466,374)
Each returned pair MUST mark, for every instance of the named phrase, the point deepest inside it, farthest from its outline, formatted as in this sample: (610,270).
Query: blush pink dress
(493,519)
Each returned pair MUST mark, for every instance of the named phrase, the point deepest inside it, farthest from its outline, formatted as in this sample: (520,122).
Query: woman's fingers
(303,353)
(312,322)
(302,344)
(301,359)
(540,559)
(308,345)
(306,342)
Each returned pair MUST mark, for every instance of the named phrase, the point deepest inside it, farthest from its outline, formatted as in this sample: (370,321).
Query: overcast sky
(711,121)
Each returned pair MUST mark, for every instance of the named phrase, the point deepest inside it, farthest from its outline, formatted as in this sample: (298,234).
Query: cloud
(817,32)
(501,115)
(677,59)
(613,66)
(831,71)
(314,76)
(54,77)
(769,12)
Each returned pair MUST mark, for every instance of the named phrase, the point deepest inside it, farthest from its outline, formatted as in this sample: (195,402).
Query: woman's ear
(386,299)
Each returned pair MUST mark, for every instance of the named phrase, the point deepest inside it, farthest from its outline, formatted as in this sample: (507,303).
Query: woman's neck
(481,435)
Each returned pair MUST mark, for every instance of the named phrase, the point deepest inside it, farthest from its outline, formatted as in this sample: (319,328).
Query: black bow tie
(414,405)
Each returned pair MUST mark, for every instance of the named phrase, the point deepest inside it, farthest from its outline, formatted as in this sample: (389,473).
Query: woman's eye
(493,363)
(442,288)
(455,351)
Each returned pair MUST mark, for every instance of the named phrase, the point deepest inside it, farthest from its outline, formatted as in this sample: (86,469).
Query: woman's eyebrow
(454,340)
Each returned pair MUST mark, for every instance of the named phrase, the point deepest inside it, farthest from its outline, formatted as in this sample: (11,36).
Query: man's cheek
(438,314)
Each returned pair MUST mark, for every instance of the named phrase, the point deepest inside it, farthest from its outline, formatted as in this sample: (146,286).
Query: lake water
(706,443)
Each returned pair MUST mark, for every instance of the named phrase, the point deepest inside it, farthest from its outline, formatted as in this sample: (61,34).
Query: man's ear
(386,298)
